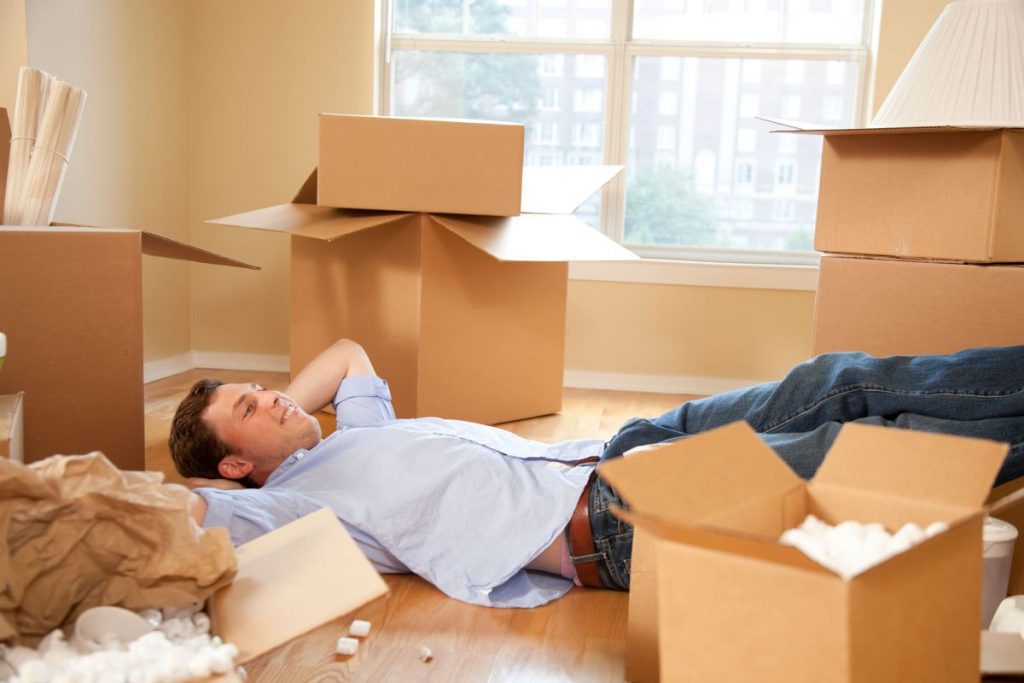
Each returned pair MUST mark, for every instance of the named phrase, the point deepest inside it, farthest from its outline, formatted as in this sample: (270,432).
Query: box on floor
(71,307)
(732,604)
(901,307)
(290,581)
(463,312)
(942,193)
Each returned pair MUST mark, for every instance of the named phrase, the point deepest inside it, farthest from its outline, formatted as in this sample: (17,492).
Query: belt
(581,540)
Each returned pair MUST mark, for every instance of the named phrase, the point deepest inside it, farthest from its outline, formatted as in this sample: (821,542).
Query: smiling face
(261,428)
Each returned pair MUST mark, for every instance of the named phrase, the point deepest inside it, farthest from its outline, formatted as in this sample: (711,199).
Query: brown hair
(196,450)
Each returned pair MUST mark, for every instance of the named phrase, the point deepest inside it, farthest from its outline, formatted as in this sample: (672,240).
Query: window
(669,88)
(588,100)
(668,103)
(785,174)
(547,133)
(746,140)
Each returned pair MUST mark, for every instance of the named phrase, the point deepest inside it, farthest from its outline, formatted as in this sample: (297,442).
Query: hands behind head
(226,484)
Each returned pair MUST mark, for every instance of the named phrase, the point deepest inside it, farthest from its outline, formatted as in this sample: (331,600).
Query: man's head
(237,431)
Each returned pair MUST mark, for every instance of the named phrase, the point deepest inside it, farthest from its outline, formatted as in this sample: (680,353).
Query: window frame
(621,50)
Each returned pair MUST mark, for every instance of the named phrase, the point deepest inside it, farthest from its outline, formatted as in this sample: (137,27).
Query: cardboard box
(895,307)
(71,307)
(463,315)
(12,439)
(735,605)
(290,581)
(426,165)
(943,193)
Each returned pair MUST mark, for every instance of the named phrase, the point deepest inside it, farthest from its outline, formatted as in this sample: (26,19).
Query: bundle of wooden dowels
(46,117)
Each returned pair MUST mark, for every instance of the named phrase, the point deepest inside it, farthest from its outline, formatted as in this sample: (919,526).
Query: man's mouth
(290,410)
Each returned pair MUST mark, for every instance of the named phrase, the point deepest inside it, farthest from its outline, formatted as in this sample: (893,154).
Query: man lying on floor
(494,519)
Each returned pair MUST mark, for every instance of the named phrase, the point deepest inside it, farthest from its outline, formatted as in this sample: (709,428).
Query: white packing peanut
(425,654)
(346,646)
(359,628)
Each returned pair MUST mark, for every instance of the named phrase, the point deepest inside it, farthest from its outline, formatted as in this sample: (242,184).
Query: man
(494,519)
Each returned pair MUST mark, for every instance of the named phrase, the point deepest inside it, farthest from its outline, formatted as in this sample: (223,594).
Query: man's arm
(317,383)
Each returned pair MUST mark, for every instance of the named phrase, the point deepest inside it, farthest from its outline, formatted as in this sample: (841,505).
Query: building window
(697,73)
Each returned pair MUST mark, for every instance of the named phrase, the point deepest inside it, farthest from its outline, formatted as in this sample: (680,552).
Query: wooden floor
(577,638)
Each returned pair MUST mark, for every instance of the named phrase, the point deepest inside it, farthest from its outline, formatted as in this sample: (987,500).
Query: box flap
(562,189)
(729,542)
(536,237)
(790,126)
(306,193)
(290,581)
(157,245)
(700,475)
(306,220)
(940,468)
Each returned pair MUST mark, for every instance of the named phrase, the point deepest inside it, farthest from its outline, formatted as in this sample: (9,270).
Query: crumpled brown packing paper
(76,532)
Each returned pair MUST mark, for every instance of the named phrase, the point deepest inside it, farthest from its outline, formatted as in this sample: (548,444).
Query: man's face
(261,428)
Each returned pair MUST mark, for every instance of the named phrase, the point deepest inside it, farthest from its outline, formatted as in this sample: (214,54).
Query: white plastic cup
(97,624)
(997,555)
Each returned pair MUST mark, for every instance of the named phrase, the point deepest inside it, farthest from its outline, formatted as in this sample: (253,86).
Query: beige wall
(129,164)
(200,109)
(903,25)
(260,71)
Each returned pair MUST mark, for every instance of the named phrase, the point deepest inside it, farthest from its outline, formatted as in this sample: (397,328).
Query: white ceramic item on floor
(97,625)
(997,555)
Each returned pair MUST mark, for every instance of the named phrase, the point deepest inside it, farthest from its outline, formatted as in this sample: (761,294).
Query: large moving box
(944,193)
(463,314)
(71,307)
(900,307)
(733,604)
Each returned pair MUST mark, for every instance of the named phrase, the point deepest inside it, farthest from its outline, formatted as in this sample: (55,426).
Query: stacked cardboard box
(429,243)
(919,227)
(71,307)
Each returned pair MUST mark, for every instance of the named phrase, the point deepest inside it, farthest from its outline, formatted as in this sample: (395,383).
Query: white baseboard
(659,384)
(579,379)
(165,367)
(240,361)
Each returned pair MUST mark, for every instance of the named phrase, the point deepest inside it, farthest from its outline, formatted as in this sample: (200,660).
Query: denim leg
(613,538)
(970,385)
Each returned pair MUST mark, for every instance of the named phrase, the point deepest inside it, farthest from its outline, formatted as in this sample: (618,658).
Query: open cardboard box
(71,307)
(290,581)
(948,193)
(735,605)
(899,307)
(464,315)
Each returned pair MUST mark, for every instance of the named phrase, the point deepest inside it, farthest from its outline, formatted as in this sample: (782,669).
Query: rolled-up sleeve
(250,513)
(363,401)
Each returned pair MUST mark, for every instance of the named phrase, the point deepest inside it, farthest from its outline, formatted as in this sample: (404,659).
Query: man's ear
(234,467)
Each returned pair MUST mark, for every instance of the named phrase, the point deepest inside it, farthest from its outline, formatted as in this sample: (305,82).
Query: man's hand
(317,383)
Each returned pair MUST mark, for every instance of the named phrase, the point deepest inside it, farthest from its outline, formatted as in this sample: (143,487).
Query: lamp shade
(969,70)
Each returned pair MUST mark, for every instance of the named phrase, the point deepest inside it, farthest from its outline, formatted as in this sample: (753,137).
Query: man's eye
(249,408)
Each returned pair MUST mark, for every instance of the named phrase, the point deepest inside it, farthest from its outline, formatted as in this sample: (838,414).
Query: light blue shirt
(465,506)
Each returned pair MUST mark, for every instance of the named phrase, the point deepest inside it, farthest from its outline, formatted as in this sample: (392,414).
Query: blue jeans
(976,393)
